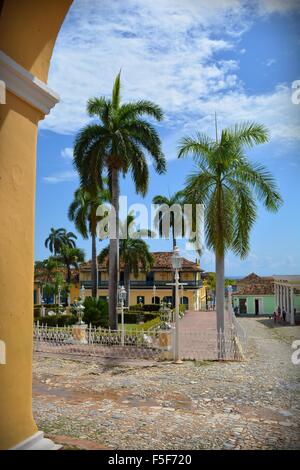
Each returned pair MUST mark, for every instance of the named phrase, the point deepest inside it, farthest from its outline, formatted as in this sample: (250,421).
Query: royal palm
(228,184)
(165,217)
(134,252)
(83,212)
(59,237)
(70,257)
(118,141)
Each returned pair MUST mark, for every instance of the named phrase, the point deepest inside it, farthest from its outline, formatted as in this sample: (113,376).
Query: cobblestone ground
(195,405)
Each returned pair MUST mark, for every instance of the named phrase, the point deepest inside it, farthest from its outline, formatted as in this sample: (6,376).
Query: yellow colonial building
(153,286)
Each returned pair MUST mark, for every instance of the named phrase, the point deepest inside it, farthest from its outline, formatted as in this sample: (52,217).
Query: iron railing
(144,283)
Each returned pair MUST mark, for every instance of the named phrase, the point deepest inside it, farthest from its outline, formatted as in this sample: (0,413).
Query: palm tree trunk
(69,274)
(220,304)
(174,246)
(94,268)
(127,284)
(114,253)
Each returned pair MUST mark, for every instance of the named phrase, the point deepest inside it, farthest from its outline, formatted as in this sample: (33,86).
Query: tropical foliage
(70,258)
(119,142)
(83,212)
(96,312)
(228,184)
(59,237)
(165,220)
(133,251)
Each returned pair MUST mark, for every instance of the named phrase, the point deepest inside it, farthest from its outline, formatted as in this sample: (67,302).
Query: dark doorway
(242,305)
(256,303)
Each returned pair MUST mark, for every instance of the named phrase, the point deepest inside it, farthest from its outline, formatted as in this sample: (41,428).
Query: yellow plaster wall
(28,31)
(74,292)
(148,294)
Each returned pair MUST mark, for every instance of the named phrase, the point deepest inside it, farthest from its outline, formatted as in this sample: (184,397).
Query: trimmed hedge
(151,307)
(57,320)
(37,309)
(136,317)
(145,308)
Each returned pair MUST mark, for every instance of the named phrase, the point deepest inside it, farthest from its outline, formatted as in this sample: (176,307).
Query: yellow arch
(28,31)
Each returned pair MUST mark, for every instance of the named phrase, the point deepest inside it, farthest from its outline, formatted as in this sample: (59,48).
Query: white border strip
(25,85)
(37,442)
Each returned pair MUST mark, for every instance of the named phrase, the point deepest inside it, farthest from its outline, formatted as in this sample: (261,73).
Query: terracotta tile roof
(255,285)
(162,262)
(40,275)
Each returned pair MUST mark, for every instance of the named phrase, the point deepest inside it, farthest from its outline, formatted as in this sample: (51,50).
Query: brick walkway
(198,335)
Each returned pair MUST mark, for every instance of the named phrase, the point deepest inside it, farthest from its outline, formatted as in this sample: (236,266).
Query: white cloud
(67,153)
(167,51)
(270,62)
(277,6)
(61,177)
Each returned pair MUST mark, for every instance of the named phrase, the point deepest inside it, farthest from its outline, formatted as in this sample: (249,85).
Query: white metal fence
(155,343)
(135,343)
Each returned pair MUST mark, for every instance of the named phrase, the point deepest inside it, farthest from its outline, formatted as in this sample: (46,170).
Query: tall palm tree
(119,142)
(162,216)
(228,184)
(134,252)
(59,237)
(83,212)
(70,257)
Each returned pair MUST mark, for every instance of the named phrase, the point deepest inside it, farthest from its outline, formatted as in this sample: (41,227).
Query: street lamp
(59,292)
(176,264)
(229,290)
(82,293)
(122,298)
(154,294)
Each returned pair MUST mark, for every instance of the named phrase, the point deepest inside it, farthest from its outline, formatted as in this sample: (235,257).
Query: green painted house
(255,295)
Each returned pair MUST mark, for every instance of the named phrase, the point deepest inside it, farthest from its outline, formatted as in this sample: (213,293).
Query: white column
(39,295)
(292,316)
(280,298)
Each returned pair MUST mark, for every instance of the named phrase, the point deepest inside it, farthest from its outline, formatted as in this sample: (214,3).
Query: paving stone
(249,405)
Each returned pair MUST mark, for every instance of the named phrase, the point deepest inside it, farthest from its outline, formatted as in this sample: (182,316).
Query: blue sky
(193,58)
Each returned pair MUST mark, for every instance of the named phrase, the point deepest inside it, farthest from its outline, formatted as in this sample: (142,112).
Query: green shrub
(96,312)
(57,320)
(138,316)
(145,308)
(151,307)
(149,324)
(136,308)
(37,309)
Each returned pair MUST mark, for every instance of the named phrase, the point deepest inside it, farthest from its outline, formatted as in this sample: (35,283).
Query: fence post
(37,335)
(90,334)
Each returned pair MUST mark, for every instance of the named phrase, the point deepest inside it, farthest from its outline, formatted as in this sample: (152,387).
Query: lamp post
(58,292)
(122,298)
(82,293)
(229,290)
(176,264)
(154,293)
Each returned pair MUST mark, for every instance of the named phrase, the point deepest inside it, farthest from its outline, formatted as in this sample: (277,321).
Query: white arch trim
(25,85)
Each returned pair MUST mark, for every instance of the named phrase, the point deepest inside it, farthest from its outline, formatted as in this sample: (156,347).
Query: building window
(140,299)
(184,300)
(150,277)
(168,299)
(156,300)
